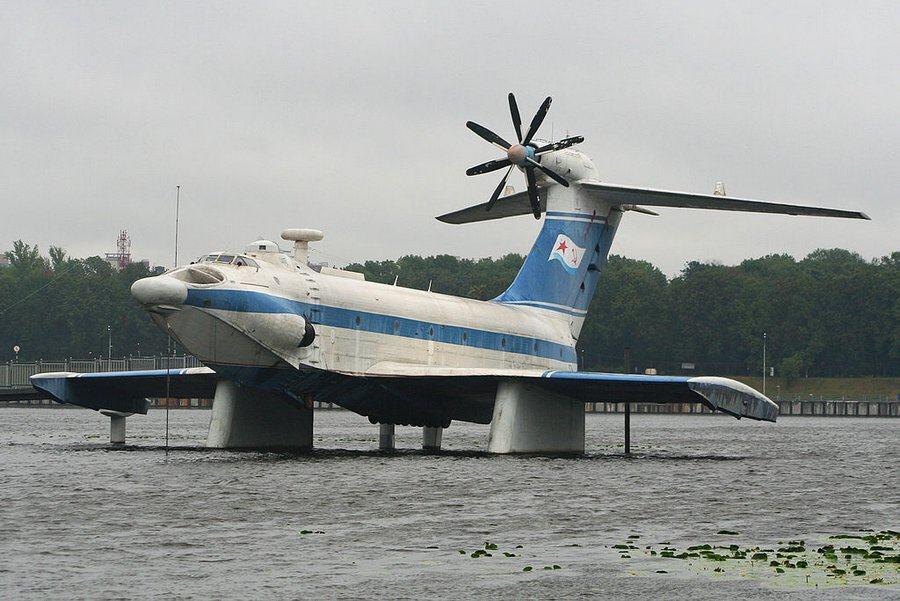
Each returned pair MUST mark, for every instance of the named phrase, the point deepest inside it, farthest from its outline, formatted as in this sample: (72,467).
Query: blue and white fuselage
(250,309)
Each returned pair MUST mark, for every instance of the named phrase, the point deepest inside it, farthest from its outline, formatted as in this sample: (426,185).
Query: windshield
(246,261)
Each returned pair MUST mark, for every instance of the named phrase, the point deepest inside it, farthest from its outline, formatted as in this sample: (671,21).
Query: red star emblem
(562,246)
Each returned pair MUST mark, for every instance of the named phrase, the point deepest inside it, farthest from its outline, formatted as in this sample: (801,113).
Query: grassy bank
(826,387)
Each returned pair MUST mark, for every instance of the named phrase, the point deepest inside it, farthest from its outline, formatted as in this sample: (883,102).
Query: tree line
(831,313)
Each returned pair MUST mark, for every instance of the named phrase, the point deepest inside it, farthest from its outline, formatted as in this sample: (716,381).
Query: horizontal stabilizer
(506,206)
(630,195)
(126,391)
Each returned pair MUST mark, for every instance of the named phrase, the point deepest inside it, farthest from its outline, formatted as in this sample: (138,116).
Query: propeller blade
(516,118)
(488,135)
(498,190)
(564,143)
(538,119)
(533,193)
(488,167)
(553,174)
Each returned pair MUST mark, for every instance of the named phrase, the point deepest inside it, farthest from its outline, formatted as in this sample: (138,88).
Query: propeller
(526,155)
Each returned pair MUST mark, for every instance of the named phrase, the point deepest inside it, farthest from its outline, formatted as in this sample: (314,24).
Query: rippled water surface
(81,520)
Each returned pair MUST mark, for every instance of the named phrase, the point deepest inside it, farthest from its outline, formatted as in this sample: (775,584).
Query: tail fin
(561,272)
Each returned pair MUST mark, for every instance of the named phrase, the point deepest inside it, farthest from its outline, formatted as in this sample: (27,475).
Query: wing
(470,388)
(620,195)
(411,394)
(719,394)
(126,391)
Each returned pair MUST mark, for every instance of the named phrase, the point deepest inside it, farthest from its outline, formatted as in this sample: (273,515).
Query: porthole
(465,336)
(503,342)
(358,320)
(535,346)
(396,325)
(431,331)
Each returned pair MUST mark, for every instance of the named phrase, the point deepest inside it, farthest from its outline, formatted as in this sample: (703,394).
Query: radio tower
(123,250)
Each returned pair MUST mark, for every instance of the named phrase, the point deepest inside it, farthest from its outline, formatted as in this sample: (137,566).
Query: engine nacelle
(281,331)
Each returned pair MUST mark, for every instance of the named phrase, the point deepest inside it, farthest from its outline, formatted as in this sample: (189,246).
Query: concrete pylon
(250,418)
(385,437)
(431,438)
(528,419)
(116,425)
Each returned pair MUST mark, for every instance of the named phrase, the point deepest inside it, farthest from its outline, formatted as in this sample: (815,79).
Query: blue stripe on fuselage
(251,301)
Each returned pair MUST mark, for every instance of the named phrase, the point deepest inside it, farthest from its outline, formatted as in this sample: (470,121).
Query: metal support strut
(627,410)
(628,428)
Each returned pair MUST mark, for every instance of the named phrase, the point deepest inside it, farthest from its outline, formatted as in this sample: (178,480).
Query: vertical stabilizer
(560,273)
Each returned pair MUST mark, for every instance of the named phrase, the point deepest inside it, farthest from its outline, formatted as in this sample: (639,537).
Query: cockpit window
(225,259)
(207,259)
(246,261)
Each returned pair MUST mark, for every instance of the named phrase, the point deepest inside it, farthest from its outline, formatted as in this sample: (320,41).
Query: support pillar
(431,438)
(528,419)
(117,429)
(244,417)
(385,437)
(116,425)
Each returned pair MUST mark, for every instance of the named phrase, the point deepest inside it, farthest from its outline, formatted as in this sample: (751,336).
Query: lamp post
(764,364)
(108,347)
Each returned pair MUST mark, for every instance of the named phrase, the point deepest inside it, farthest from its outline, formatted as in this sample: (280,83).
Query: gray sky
(349,117)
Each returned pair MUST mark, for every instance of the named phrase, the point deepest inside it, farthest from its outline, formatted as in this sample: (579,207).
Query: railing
(16,375)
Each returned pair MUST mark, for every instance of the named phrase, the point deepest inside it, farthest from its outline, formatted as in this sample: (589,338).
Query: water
(80,520)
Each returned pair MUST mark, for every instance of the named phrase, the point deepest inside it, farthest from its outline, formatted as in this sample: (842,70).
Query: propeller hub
(518,154)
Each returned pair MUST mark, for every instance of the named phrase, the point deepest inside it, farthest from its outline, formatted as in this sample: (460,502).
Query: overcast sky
(349,117)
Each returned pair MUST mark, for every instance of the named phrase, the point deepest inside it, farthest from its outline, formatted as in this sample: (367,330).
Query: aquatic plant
(814,566)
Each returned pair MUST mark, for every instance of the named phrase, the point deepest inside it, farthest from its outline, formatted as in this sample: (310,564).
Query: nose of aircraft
(159,290)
